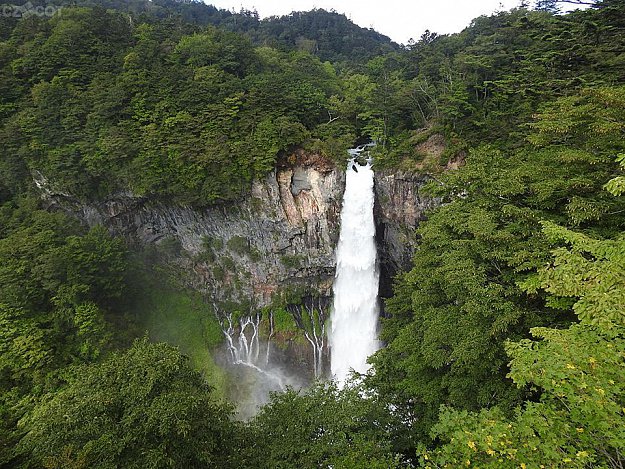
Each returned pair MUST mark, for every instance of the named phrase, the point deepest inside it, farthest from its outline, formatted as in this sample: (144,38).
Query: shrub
(239,245)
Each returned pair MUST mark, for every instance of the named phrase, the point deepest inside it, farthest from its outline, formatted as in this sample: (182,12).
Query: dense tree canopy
(108,106)
(325,427)
(59,287)
(504,341)
(144,407)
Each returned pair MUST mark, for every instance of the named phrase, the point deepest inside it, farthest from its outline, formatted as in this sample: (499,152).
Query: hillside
(325,34)
(174,172)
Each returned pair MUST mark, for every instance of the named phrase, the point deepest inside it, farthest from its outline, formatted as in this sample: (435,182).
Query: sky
(398,19)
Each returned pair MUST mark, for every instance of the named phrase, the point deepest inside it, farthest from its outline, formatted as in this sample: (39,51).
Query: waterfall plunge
(353,336)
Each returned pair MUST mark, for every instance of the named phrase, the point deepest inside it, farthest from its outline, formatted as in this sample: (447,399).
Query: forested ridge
(505,342)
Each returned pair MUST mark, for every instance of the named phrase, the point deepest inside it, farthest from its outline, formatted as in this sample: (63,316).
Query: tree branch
(580,2)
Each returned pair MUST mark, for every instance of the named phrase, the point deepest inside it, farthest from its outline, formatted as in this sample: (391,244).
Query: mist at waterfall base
(256,367)
(250,387)
(353,335)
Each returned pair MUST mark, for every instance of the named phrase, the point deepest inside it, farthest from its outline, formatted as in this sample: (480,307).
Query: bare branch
(580,2)
(332,119)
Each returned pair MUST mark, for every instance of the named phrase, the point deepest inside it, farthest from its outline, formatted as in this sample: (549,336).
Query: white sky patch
(398,19)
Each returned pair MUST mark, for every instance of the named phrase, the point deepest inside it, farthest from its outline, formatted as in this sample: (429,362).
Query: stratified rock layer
(282,235)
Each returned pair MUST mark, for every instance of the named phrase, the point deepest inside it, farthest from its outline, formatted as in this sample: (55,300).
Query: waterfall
(354,319)
(245,350)
(311,320)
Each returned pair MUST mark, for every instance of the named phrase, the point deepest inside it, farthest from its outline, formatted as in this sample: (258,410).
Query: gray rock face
(300,181)
(399,208)
(282,235)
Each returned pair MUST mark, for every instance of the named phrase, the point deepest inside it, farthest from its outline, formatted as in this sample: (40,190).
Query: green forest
(505,341)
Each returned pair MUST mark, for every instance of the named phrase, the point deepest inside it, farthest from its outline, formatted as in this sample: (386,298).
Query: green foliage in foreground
(324,427)
(58,287)
(586,268)
(64,306)
(579,420)
(476,262)
(571,379)
(59,290)
(145,407)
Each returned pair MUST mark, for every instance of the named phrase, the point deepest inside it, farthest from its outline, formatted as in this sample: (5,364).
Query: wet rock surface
(400,207)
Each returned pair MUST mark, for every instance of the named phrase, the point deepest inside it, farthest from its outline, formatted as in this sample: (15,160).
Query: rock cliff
(282,235)
(400,206)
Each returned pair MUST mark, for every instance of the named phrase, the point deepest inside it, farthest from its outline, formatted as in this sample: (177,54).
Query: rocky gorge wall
(280,238)
(399,208)
(283,235)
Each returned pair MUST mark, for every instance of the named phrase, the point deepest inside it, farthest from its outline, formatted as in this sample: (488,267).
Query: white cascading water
(246,351)
(254,377)
(353,335)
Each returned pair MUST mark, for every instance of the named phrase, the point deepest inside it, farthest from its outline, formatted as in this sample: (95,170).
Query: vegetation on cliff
(505,341)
